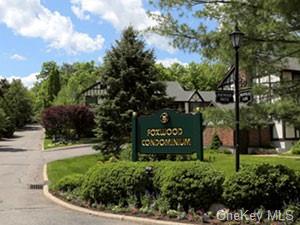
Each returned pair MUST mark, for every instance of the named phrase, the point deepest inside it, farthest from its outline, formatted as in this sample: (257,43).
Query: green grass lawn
(48,144)
(222,162)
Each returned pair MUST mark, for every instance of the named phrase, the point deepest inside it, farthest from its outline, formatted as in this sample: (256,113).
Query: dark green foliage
(18,104)
(54,84)
(295,149)
(294,209)
(270,186)
(16,107)
(51,85)
(114,183)
(69,183)
(190,184)
(216,143)
(8,128)
(130,81)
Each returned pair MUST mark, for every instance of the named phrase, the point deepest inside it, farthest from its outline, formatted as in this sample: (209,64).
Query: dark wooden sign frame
(167,132)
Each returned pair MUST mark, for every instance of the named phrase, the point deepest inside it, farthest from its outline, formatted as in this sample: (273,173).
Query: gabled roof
(208,96)
(174,90)
(228,78)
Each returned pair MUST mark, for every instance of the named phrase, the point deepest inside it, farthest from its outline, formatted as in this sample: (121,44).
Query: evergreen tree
(54,83)
(131,84)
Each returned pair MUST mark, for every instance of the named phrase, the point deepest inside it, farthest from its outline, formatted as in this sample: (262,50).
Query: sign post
(167,132)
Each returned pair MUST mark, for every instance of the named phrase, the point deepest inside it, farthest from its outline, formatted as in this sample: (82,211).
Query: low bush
(8,128)
(188,184)
(295,149)
(69,183)
(269,186)
(115,183)
(184,184)
(216,143)
(68,121)
(294,210)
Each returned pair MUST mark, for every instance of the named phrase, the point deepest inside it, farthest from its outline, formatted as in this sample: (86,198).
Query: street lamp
(236,38)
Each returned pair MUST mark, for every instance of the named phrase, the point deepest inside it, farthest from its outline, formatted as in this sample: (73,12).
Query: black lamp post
(236,38)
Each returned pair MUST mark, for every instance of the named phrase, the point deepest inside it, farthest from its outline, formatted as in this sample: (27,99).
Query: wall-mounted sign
(224,96)
(246,96)
(167,132)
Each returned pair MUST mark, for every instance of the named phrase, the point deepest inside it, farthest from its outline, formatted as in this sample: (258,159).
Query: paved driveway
(21,163)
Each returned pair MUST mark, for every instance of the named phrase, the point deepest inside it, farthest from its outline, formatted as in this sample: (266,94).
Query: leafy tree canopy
(61,85)
(271,29)
(203,76)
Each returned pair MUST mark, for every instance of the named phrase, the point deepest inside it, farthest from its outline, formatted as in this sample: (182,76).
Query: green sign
(167,131)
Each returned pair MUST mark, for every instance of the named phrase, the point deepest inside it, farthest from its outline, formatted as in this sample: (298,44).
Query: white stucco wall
(277,129)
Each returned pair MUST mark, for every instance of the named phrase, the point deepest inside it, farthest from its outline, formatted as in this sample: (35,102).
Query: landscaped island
(180,190)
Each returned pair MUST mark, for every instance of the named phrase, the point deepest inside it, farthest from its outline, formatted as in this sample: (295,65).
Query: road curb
(68,147)
(97,213)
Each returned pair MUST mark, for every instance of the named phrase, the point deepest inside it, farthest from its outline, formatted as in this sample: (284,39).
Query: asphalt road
(21,164)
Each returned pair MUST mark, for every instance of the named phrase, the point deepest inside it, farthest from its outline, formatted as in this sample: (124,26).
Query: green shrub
(270,186)
(188,184)
(294,210)
(216,143)
(125,153)
(295,149)
(9,129)
(115,183)
(7,126)
(69,183)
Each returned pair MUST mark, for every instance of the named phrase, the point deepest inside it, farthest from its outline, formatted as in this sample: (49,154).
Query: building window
(296,75)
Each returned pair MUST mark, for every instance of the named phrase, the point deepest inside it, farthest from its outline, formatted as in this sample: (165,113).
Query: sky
(67,31)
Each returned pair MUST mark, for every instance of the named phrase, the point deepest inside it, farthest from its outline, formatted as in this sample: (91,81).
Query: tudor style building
(279,134)
(283,135)
(184,101)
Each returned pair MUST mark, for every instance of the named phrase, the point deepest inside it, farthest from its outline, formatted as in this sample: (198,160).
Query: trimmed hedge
(115,183)
(184,185)
(270,186)
(69,183)
(188,184)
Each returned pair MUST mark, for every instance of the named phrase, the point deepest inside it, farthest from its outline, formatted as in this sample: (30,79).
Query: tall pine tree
(131,84)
